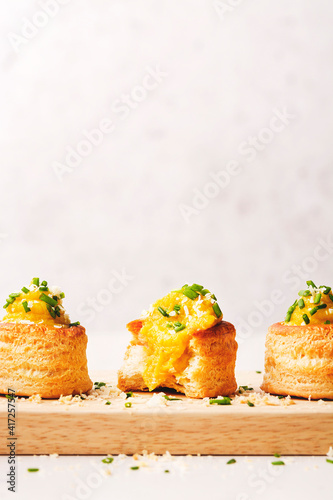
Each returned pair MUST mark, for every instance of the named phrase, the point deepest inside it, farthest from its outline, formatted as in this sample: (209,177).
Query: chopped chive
(281,397)
(25,289)
(77,323)
(99,385)
(108,403)
(57,311)
(129,394)
(35,281)
(249,403)
(306,319)
(204,291)
(278,462)
(62,295)
(10,300)
(327,322)
(44,283)
(108,460)
(311,283)
(217,310)
(169,324)
(177,323)
(331,296)
(128,405)
(304,293)
(14,295)
(196,287)
(43,289)
(48,300)
(55,297)
(258,371)
(163,311)
(190,293)
(243,388)
(317,298)
(327,289)
(166,470)
(180,328)
(277,455)
(25,306)
(329,461)
(322,306)
(288,317)
(301,303)
(177,308)
(171,399)
(221,401)
(135,468)
(231,461)
(313,310)
(32,470)
(51,310)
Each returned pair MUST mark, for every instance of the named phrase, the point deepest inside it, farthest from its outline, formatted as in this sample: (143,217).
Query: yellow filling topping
(38,304)
(168,327)
(314,306)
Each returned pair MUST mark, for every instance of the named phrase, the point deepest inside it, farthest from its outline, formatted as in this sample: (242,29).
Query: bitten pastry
(182,343)
(299,351)
(41,352)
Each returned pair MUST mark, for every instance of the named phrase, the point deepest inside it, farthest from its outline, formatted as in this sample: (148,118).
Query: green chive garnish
(25,306)
(327,322)
(179,328)
(311,283)
(57,311)
(327,289)
(317,298)
(330,296)
(10,300)
(14,295)
(221,401)
(99,385)
(313,310)
(258,371)
(329,461)
(281,397)
(278,462)
(62,295)
(163,312)
(44,283)
(135,468)
(171,399)
(177,308)
(322,306)
(231,461)
(32,470)
(217,310)
(166,471)
(128,405)
(48,300)
(25,289)
(129,394)
(304,293)
(249,403)
(108,403)
(306,319)
(190,293)
(288,317)
(277,455)
(301,303)
(243,388)
(77,323)
(43,289)
(51,310)
(35,281)
(6,305)
(196,287)
(204,291)
(107,460)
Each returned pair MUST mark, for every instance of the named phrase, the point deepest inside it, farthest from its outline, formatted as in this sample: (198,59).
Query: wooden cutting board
(180,427)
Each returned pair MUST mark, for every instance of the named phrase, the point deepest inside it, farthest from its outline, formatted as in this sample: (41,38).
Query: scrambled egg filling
(314,306)
(168,326)
(38,304)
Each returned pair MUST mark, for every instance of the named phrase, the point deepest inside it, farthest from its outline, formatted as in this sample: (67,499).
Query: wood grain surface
(180,427)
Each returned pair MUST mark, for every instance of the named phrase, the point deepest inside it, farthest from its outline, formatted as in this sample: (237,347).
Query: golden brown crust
(39,359)
(299,361)
(210,370)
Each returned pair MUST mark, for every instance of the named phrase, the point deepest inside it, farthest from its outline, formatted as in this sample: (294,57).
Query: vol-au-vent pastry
(182,343)
(41,352)
(299,351)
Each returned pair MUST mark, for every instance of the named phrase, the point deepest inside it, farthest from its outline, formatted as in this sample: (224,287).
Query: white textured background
(120,208)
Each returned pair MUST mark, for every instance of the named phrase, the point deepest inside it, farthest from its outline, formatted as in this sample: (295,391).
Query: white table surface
(253,477)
